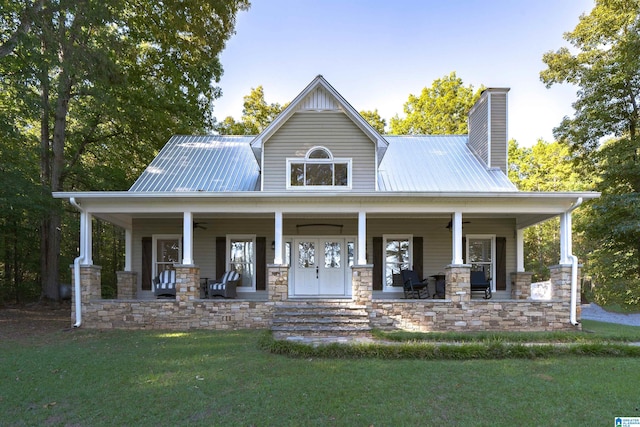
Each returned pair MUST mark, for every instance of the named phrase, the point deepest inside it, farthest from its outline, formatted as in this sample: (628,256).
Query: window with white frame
(397,257)
(318,169)
(242,258)
(481,254)
(167,251)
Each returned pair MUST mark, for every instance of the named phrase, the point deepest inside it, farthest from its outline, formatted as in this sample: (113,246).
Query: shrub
(622,292)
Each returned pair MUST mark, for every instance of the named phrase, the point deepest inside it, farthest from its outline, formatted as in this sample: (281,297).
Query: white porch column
(87,233)
(520,250)
(456,238)
(362,238)
(128,245)
(277,258)
(187,235)
(565,238)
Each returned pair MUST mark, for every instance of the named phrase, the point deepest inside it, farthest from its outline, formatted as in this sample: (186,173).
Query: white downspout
(76,264)
(574,265)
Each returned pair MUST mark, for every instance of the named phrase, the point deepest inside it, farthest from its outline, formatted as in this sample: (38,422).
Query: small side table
(204,292)
(440,285)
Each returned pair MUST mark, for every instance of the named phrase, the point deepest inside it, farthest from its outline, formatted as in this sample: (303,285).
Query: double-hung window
(167,251)
(242,258)
(397,257)
(318,169)
(481,254)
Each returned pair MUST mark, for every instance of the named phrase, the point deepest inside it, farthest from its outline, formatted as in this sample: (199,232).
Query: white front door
(320,267)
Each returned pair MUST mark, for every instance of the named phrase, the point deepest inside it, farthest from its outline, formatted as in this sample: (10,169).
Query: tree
(374,119)
(16,21)
(256,115)
(100,79)
(604,63)
(543,167)
(439,110)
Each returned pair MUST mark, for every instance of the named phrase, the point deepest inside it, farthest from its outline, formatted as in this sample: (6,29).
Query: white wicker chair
(165,284)
(224,287)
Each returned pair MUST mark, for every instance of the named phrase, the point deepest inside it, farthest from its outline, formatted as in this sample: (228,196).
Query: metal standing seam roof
(437,164)
(217,163)
(213,163)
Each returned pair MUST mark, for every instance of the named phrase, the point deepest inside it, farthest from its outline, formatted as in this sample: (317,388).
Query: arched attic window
(318,169)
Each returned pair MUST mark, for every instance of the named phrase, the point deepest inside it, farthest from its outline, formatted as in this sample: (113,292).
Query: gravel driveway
(595,312)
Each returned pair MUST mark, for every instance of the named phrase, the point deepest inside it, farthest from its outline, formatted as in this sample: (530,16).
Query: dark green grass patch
(597,339)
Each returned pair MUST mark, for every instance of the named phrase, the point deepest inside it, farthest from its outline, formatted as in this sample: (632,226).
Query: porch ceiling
(527,208)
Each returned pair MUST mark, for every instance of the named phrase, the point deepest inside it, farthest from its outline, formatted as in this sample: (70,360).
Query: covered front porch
(371,240)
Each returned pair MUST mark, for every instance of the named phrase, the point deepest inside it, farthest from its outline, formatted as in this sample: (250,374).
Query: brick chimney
(488,128)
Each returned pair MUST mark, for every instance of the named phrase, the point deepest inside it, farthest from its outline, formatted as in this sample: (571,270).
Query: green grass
(150,378)
(593,332)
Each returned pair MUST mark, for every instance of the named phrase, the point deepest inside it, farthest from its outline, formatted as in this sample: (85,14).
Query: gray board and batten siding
(329,129)
(488,128)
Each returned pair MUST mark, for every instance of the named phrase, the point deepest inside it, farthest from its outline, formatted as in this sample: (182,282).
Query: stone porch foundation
(457,312)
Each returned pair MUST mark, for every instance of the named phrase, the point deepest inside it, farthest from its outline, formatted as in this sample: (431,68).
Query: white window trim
(331,160)
(154,249)
(493,254)
(385,238)
(227,265)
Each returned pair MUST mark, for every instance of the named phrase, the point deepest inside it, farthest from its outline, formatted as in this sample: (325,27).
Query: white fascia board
(327,202)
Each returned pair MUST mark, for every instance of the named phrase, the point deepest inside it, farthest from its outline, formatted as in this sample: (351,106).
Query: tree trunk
(17,273)
(53,221)
(47,275)
(52,168)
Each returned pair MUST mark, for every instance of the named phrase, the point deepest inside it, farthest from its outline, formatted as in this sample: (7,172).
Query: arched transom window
(318,168)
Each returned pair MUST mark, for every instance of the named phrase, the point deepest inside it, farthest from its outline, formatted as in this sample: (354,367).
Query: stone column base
(127,284)
(521,285)
(187,283)
(90,285)
(278,282)
(362,284)
(458,283)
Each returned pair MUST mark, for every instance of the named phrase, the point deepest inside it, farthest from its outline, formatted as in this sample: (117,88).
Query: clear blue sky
(375,53)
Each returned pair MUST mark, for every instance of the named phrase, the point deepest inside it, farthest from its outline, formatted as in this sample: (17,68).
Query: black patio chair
(480,283)
(413,286)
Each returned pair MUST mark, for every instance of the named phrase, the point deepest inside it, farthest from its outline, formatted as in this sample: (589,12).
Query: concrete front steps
(320,319)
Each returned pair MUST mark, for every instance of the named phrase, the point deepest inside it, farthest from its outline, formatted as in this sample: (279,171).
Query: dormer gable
(319,96)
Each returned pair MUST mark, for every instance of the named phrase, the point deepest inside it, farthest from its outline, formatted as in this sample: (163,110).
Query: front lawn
(98,378)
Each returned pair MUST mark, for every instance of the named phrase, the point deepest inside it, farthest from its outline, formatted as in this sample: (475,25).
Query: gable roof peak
(319,95)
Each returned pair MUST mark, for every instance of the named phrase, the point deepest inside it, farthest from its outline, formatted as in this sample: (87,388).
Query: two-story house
(321,211)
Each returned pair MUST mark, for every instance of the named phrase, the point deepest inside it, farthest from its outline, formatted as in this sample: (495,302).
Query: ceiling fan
(451,224)
(199,225)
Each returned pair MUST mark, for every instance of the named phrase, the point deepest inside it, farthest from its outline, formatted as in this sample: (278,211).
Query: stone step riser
(320,313)
(315,319)
(323,321)
(320,328)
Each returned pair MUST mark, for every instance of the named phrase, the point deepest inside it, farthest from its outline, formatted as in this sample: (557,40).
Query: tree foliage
(439,110)
(256,115)
(604,63)
(544,167)
(99,85)
(374,119)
